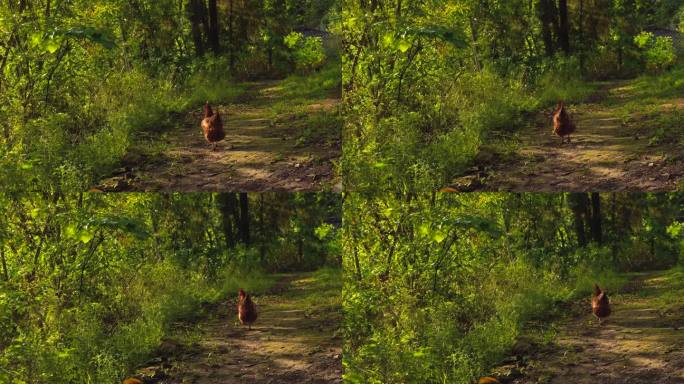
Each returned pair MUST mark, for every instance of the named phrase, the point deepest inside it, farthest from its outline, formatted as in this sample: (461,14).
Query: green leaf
(424,229)
(440,32)
(70,230)
(36,39)
(52,45)
(387,39)
(404,45)
(85,237)
(439,236)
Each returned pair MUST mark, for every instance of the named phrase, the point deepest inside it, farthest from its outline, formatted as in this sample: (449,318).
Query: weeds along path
(292,341)
(613,149)
(264,150)
(638,344)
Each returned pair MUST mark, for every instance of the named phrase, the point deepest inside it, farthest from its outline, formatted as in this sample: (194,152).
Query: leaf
(404,45)
(424,229)
(70,230)
(477,223)
(132,226)
(388,39)
(440,32)
(85,237)
(52,45)
(36,39)
(439,236)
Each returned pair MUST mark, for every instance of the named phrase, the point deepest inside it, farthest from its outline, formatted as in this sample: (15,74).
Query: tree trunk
(579,204)
(231,34)
(564,26)
(548,18)
(262,230)
(195,16)
(581,36)
(243,229)
(227,204)
(613,224)
(5,273)
(213,36)
(595,223)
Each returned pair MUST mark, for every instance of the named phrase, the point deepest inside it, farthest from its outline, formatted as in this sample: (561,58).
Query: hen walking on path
(642,343)
(269,143)
(624,142)
(295,340)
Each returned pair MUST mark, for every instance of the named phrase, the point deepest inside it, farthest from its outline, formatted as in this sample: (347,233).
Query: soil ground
(263,151)
(291,342)
(609,152)
(638,344)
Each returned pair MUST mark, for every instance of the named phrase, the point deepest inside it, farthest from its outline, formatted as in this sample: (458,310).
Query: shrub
(308,52)
(658,52)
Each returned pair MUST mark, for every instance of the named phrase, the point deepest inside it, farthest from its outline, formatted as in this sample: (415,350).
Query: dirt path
(638,344)
(608,153)
(291,342)
(261,152)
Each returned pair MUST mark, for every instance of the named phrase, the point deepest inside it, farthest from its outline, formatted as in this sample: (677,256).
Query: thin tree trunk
(564,26)
(195,10)
(596,219)
(227,204)
(547,16)
(243,229)
(231,34)
(4,262)
(579,204)
(581,36)
(213,36)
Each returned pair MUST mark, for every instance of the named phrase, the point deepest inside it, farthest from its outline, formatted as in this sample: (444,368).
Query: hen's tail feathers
(488,380)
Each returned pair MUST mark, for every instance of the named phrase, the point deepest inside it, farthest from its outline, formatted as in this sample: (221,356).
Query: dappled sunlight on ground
(262,151)
(611,151)
(289,343)
(638,343)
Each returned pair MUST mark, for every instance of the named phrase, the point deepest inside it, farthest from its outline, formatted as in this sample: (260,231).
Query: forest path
(612,150)
(642,342)
(292,341)
(263,150)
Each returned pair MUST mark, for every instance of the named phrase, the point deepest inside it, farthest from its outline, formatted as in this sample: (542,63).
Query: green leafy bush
(308,52)
(659,52)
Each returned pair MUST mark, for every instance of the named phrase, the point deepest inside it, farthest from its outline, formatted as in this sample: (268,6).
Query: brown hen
(212,126)
(247,311)
(600,305)
(562,124)
(133,380)
(488,380)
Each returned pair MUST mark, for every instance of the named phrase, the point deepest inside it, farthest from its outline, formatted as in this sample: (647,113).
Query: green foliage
(439,287)
(563,81)
(79,87)
(658,51)
(308,52)
(426,85)
(113,273)
(211,82)
(326,82)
